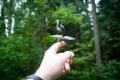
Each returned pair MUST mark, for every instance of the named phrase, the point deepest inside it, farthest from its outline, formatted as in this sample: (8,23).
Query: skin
(53,63)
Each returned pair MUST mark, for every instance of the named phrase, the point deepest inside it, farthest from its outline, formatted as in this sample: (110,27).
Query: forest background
(26,27)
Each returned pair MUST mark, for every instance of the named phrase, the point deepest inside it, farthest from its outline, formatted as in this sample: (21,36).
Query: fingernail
(62,42)
(73,54)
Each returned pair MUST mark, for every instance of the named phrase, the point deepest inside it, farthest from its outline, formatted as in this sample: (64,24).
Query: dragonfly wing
(68,38)
(56,36)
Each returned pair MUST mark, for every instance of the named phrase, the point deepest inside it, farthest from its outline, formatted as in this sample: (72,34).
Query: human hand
(54,64)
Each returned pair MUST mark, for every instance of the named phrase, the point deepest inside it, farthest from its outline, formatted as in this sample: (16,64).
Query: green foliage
(111,70)
(22,52)
(17,55)
(109,21)
(48,41)
(67,15)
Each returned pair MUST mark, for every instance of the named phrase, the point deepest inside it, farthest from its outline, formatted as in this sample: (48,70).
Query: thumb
(66,55)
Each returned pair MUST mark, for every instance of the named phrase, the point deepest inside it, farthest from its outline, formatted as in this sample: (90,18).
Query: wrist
(33,77)
(43,75)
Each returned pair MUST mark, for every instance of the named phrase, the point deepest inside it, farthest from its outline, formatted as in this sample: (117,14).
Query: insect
(61,37)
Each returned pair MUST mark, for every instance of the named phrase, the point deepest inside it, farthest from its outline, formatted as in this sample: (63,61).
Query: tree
(109,20)
(96,36)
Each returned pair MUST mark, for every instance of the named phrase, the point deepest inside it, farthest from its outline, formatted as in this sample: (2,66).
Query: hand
(54,64)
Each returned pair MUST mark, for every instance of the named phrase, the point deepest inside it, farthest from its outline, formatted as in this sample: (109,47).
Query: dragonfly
(61,37)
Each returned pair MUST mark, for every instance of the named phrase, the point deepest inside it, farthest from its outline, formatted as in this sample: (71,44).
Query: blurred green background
(26,27)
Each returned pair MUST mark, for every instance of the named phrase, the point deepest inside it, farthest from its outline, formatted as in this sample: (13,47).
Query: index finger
(56,46)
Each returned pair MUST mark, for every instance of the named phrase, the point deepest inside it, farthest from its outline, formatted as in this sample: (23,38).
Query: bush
(111,70)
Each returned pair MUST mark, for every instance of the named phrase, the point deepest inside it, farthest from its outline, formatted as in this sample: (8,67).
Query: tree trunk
(97,42)
(2,18)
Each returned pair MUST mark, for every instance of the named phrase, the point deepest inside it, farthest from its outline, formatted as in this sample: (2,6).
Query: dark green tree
(110,27)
